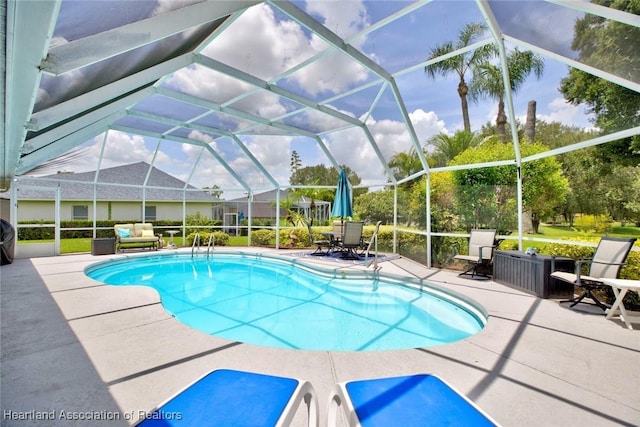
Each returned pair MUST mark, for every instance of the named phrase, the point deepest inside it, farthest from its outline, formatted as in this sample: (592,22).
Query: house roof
(127,185)
(262,206)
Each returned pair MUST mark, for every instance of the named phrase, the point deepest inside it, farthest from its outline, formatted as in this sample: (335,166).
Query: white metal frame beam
(65,143)
(29,28)
(602,11)
(166,120)
(338,43)
(634,86)
(85,120)
(92,49)
(64,110)
(206,146)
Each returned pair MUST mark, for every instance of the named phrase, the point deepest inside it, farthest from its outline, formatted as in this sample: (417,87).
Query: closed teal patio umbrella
(342,206)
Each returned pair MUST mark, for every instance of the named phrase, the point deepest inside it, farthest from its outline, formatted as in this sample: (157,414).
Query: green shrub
(294,237)
(219,238)
(105,228)
(593,223)
(263,237)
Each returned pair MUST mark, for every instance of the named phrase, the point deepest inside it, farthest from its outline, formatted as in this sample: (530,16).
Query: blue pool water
(271,301)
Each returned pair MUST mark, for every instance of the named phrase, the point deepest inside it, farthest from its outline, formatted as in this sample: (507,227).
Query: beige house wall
(31,210)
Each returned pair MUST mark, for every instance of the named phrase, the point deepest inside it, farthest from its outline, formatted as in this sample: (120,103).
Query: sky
(265,43)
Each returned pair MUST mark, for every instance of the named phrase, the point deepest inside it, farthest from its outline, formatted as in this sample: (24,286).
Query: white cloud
(211,171)
(426,124)
(123,148)
(351,147)
(168,5)
(272,47)
(199,81)
(269,48)
(559,110)
(347,19)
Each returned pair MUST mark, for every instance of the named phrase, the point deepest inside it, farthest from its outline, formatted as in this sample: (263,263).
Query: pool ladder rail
(374,241)
(196,243)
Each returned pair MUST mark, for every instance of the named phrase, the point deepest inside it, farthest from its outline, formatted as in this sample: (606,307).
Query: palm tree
(462,63)
(445,148)
(487,80)
(404,164)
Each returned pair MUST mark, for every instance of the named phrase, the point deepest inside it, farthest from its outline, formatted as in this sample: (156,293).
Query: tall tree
(295,163)
(487,80)
(324,175)
(375,206)
(213,190)
(461,64)
(610,46)
(530,124)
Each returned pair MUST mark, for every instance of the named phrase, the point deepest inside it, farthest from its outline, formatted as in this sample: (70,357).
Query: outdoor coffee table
(620,288)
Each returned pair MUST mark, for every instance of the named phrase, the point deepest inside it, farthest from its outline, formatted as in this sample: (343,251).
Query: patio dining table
(330,236)
(333,240)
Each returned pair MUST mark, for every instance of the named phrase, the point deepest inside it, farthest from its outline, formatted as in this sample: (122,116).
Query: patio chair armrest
(583,261)
(609,263)
(454,249)
(480,250)
(579,263)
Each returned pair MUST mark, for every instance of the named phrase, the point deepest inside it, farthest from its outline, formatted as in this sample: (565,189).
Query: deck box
(103,246)
(531,273)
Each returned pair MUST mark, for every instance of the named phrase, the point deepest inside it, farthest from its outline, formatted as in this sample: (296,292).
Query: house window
(81,212)
(149,213)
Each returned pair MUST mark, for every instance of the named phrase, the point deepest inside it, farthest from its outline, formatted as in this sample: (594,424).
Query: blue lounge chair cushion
(227,398)
(415,400)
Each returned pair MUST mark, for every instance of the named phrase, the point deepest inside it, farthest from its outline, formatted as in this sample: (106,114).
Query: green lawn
(568,233)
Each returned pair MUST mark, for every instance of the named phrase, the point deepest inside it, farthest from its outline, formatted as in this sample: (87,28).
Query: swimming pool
(270,301)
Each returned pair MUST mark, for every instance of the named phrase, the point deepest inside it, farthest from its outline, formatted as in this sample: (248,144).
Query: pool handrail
(210,244)
(196,240)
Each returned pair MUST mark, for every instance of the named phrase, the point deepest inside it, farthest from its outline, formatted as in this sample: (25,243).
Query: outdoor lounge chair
(481,246)
(138,235)
(351,240)
(237,398)
(608,259)
(414,400)
(319,243)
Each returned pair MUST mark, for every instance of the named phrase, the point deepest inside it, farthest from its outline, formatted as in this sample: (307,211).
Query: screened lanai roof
(223,92)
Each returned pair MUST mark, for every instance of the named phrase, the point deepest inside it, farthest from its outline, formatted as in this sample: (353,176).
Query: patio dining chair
(609,257)
(338,231)
(318,242)
(482,242)
(351,240)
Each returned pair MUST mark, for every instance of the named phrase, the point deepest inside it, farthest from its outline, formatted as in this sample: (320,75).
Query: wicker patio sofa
(138,235)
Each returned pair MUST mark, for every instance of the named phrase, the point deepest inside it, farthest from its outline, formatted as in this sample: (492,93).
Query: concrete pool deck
(83,349)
